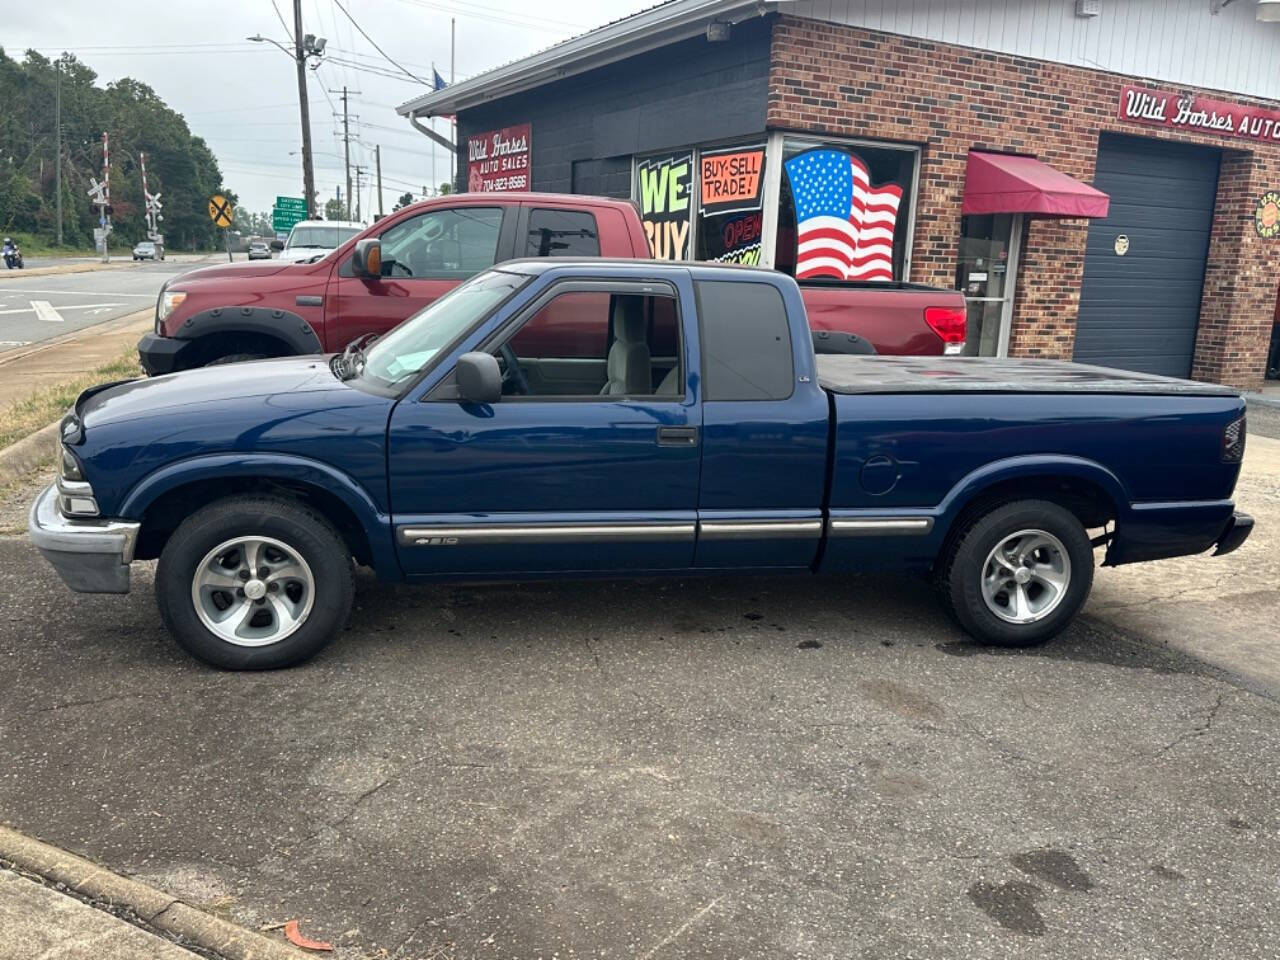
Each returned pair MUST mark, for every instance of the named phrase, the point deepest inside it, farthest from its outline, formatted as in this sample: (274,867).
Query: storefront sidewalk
(1268,396)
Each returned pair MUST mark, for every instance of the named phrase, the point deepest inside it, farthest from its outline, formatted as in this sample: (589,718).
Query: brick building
(1100,177)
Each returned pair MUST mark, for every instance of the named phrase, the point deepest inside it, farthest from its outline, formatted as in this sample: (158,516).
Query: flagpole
(453,163)
(435,183)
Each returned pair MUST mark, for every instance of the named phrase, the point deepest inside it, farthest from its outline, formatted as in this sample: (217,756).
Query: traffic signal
(107,210)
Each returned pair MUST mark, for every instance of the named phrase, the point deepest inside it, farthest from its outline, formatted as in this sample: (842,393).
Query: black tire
(235,358)
(961,571)
(304,531)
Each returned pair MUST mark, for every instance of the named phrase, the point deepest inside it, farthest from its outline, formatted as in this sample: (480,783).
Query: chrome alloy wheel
(1026,576)
(252,591)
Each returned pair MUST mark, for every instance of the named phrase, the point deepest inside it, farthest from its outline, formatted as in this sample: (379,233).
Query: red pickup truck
(237,311)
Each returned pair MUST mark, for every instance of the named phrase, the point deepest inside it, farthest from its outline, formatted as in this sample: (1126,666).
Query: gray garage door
(1139,311)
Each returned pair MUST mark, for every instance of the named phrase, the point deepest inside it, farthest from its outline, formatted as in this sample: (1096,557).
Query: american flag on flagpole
(844,225)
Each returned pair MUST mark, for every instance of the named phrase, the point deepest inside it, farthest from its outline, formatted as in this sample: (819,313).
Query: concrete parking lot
(742,768)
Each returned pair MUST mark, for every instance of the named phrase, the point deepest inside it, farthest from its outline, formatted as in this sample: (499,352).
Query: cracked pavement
(739,768)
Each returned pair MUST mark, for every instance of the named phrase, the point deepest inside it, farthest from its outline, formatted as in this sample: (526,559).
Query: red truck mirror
(367,259)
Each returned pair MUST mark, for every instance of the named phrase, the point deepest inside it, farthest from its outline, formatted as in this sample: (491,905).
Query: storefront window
(730,207)
(664,186)
(843,211)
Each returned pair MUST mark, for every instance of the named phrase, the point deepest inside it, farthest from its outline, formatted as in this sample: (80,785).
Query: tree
(445,189)
(180,166)
(404,201)
(333,210)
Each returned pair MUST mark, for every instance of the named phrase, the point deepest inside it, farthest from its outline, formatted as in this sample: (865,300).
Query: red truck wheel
(1018,574)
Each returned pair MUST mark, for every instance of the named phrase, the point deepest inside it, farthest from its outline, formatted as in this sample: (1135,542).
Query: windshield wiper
(350,362)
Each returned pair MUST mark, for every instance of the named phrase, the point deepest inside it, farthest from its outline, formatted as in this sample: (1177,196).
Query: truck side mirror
(479,379)
(367,258)
(277,245)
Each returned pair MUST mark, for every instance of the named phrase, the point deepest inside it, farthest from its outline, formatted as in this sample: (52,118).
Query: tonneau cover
(878,374)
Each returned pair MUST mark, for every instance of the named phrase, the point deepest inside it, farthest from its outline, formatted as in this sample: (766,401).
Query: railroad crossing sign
(220,211)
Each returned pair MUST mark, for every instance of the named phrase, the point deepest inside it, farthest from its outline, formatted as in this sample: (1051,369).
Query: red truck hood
(251,268)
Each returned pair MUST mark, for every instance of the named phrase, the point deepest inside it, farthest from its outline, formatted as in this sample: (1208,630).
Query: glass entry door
(986,274)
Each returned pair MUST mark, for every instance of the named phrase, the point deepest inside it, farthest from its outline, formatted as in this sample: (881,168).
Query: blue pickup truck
(566,418)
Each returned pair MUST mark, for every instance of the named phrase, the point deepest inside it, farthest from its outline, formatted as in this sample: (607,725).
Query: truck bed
(878,374)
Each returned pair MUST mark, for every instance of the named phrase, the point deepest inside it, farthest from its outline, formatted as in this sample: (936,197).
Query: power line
(384,53)
(287,32)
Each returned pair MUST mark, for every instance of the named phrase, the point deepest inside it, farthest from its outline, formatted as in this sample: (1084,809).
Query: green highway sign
(282,221)
(291,203)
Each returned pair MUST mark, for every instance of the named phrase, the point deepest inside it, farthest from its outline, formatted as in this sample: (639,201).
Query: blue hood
(292,407)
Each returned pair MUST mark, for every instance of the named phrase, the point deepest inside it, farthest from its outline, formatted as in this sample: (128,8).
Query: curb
(1257,399)
(155,908)
(63,268)
(24,456)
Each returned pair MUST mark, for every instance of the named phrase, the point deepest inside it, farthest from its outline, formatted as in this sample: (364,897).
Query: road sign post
(221,213)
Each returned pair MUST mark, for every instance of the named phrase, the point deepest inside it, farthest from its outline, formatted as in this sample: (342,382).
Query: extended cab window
(443,244)
(591,344)
(746,341)
(562,233)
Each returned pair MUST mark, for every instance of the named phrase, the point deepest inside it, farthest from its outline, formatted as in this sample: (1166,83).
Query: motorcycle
(13,257)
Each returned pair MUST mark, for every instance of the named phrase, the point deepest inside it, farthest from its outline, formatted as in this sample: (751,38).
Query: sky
(242,97)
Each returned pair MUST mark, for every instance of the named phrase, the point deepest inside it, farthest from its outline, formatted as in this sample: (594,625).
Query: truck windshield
(406,350)
(323,238)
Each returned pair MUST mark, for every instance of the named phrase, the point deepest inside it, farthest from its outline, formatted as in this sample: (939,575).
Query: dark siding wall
(586,127)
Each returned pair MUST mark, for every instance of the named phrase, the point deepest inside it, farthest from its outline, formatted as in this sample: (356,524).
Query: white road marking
(6,344)
(88,293)
(45,311)
(94,308)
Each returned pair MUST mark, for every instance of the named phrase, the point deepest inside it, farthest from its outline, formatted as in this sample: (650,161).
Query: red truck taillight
(949,323)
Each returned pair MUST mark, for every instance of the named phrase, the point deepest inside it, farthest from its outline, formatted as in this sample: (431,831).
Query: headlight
(169,301)
(69,467)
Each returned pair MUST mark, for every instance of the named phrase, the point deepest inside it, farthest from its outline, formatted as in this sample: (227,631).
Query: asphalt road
(39,308)
(743,768)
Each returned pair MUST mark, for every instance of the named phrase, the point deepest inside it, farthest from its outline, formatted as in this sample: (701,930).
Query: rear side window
(562,233)
(746,341)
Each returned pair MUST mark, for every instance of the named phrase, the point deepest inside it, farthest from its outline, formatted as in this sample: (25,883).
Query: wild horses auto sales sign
(1175,111)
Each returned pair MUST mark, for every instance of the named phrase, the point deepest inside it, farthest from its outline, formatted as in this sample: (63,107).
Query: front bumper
(91,556)
(160,355)
(1237,532)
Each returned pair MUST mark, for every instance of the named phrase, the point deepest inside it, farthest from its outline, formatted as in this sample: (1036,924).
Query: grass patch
(38,409)
(32,245)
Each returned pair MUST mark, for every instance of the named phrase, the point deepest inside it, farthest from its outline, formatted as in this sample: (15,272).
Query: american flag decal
(844,225)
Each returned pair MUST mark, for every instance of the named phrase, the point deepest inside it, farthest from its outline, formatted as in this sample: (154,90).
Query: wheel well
(230,342)
(164,515)
(1091,504)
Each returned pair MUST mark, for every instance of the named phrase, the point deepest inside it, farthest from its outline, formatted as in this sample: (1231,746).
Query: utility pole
(377,161)
(57,165)
(359,172)
(300,58)
(346,141)
(106,207)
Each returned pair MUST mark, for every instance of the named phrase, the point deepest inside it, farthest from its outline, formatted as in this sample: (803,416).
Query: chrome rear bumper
(91,556)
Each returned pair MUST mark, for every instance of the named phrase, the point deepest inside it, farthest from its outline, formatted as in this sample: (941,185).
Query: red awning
(998,183)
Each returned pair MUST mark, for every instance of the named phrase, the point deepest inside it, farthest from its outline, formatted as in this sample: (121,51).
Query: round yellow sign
(220,211)
(1266,217)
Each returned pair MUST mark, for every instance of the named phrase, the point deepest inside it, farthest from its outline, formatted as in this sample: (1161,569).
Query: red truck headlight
(949,323)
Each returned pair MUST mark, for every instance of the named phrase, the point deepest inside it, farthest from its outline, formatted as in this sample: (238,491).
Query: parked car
(228,311)
(314,238)
(258,250)
(148,250)
(451,450)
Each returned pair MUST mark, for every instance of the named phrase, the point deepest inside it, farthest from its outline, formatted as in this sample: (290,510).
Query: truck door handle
(677,436)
